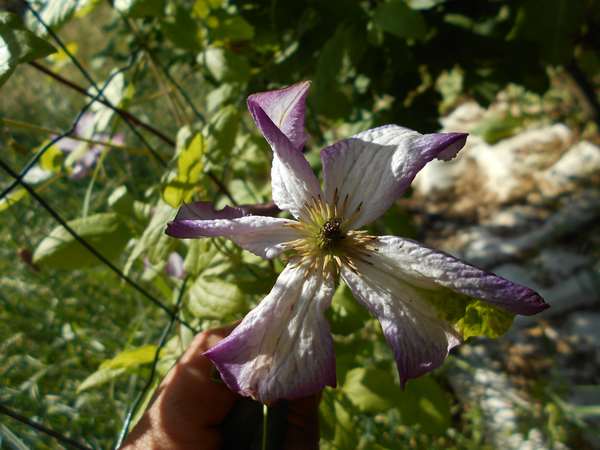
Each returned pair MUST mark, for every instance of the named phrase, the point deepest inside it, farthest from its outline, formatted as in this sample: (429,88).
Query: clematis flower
(283,348)
(83,157)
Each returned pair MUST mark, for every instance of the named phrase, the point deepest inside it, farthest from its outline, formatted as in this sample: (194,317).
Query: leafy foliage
(370,62)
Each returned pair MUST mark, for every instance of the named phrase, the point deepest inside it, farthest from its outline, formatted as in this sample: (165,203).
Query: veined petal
(286,108)
(422,266)
(206,211)
(283,348)
(419,339)
(292,179)
(263,236)
(370,170)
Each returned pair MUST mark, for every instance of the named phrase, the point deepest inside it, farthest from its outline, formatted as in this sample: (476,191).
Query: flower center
(331,234)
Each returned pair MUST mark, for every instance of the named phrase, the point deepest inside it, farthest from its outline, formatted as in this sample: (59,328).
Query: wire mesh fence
(96,94)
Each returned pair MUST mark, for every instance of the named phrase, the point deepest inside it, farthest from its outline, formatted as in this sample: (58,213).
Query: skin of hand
(189,406)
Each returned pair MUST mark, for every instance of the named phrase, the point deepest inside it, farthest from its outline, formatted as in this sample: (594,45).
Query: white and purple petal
(422,266)
(263,236)
(283,348)
(419,340)
(207,211)
(366,173)
(286,108)
(293,181)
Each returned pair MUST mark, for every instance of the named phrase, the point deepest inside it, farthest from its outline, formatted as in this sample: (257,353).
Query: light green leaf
(201,253)
(397,18)
(497,127)
(214,299)
(185,181)
(225,66)
(18,45)
(424,4)
(15,196)
(470,317)
(52,159)
(154,243)
(128,359)
(372,390)
(423,402)
(121,201)
(100,377)
(483,319)
(105,232)
(221,132)
(346,316)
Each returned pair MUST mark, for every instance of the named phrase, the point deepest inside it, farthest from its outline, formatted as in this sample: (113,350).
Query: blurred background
(142,107)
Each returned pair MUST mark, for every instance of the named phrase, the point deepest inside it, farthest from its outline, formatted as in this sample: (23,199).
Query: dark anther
(332,230)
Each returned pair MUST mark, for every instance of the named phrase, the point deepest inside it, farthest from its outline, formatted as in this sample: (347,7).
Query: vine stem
(29,126)
(83,91)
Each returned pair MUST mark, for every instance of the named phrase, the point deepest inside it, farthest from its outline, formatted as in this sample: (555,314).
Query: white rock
(578,164)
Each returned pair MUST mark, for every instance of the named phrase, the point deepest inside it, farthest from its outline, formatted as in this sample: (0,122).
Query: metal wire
(163,340)
(93,250)
(70,131)
(41,428)
(86,74)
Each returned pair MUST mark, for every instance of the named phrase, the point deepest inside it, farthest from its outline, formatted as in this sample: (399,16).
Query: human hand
(190,406)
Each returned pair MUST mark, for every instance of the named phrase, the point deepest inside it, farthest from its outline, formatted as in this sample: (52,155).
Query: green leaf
(470,317)
(52,159)
(483,319)
(372,390)
(15,196)
(346,316)
(18,45)
(105,232)
(154,243)
(553,25)
(121,201)
(131,358)
(185,181)
(496,127)
(55,13)
(424,4)
(225,66)
(141,8)
(234,29)
(397,18)
(423,402)
(182,30)
(201,253)
(212,298)
(221,132)
(100,377)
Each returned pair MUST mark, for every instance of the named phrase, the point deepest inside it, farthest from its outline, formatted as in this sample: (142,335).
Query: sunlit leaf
(52,159)
(128,359)
(100,377)
(182,185)
(59,250)
(215,299)
(372,390)
(14,196)
(224,65)
(18,45)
